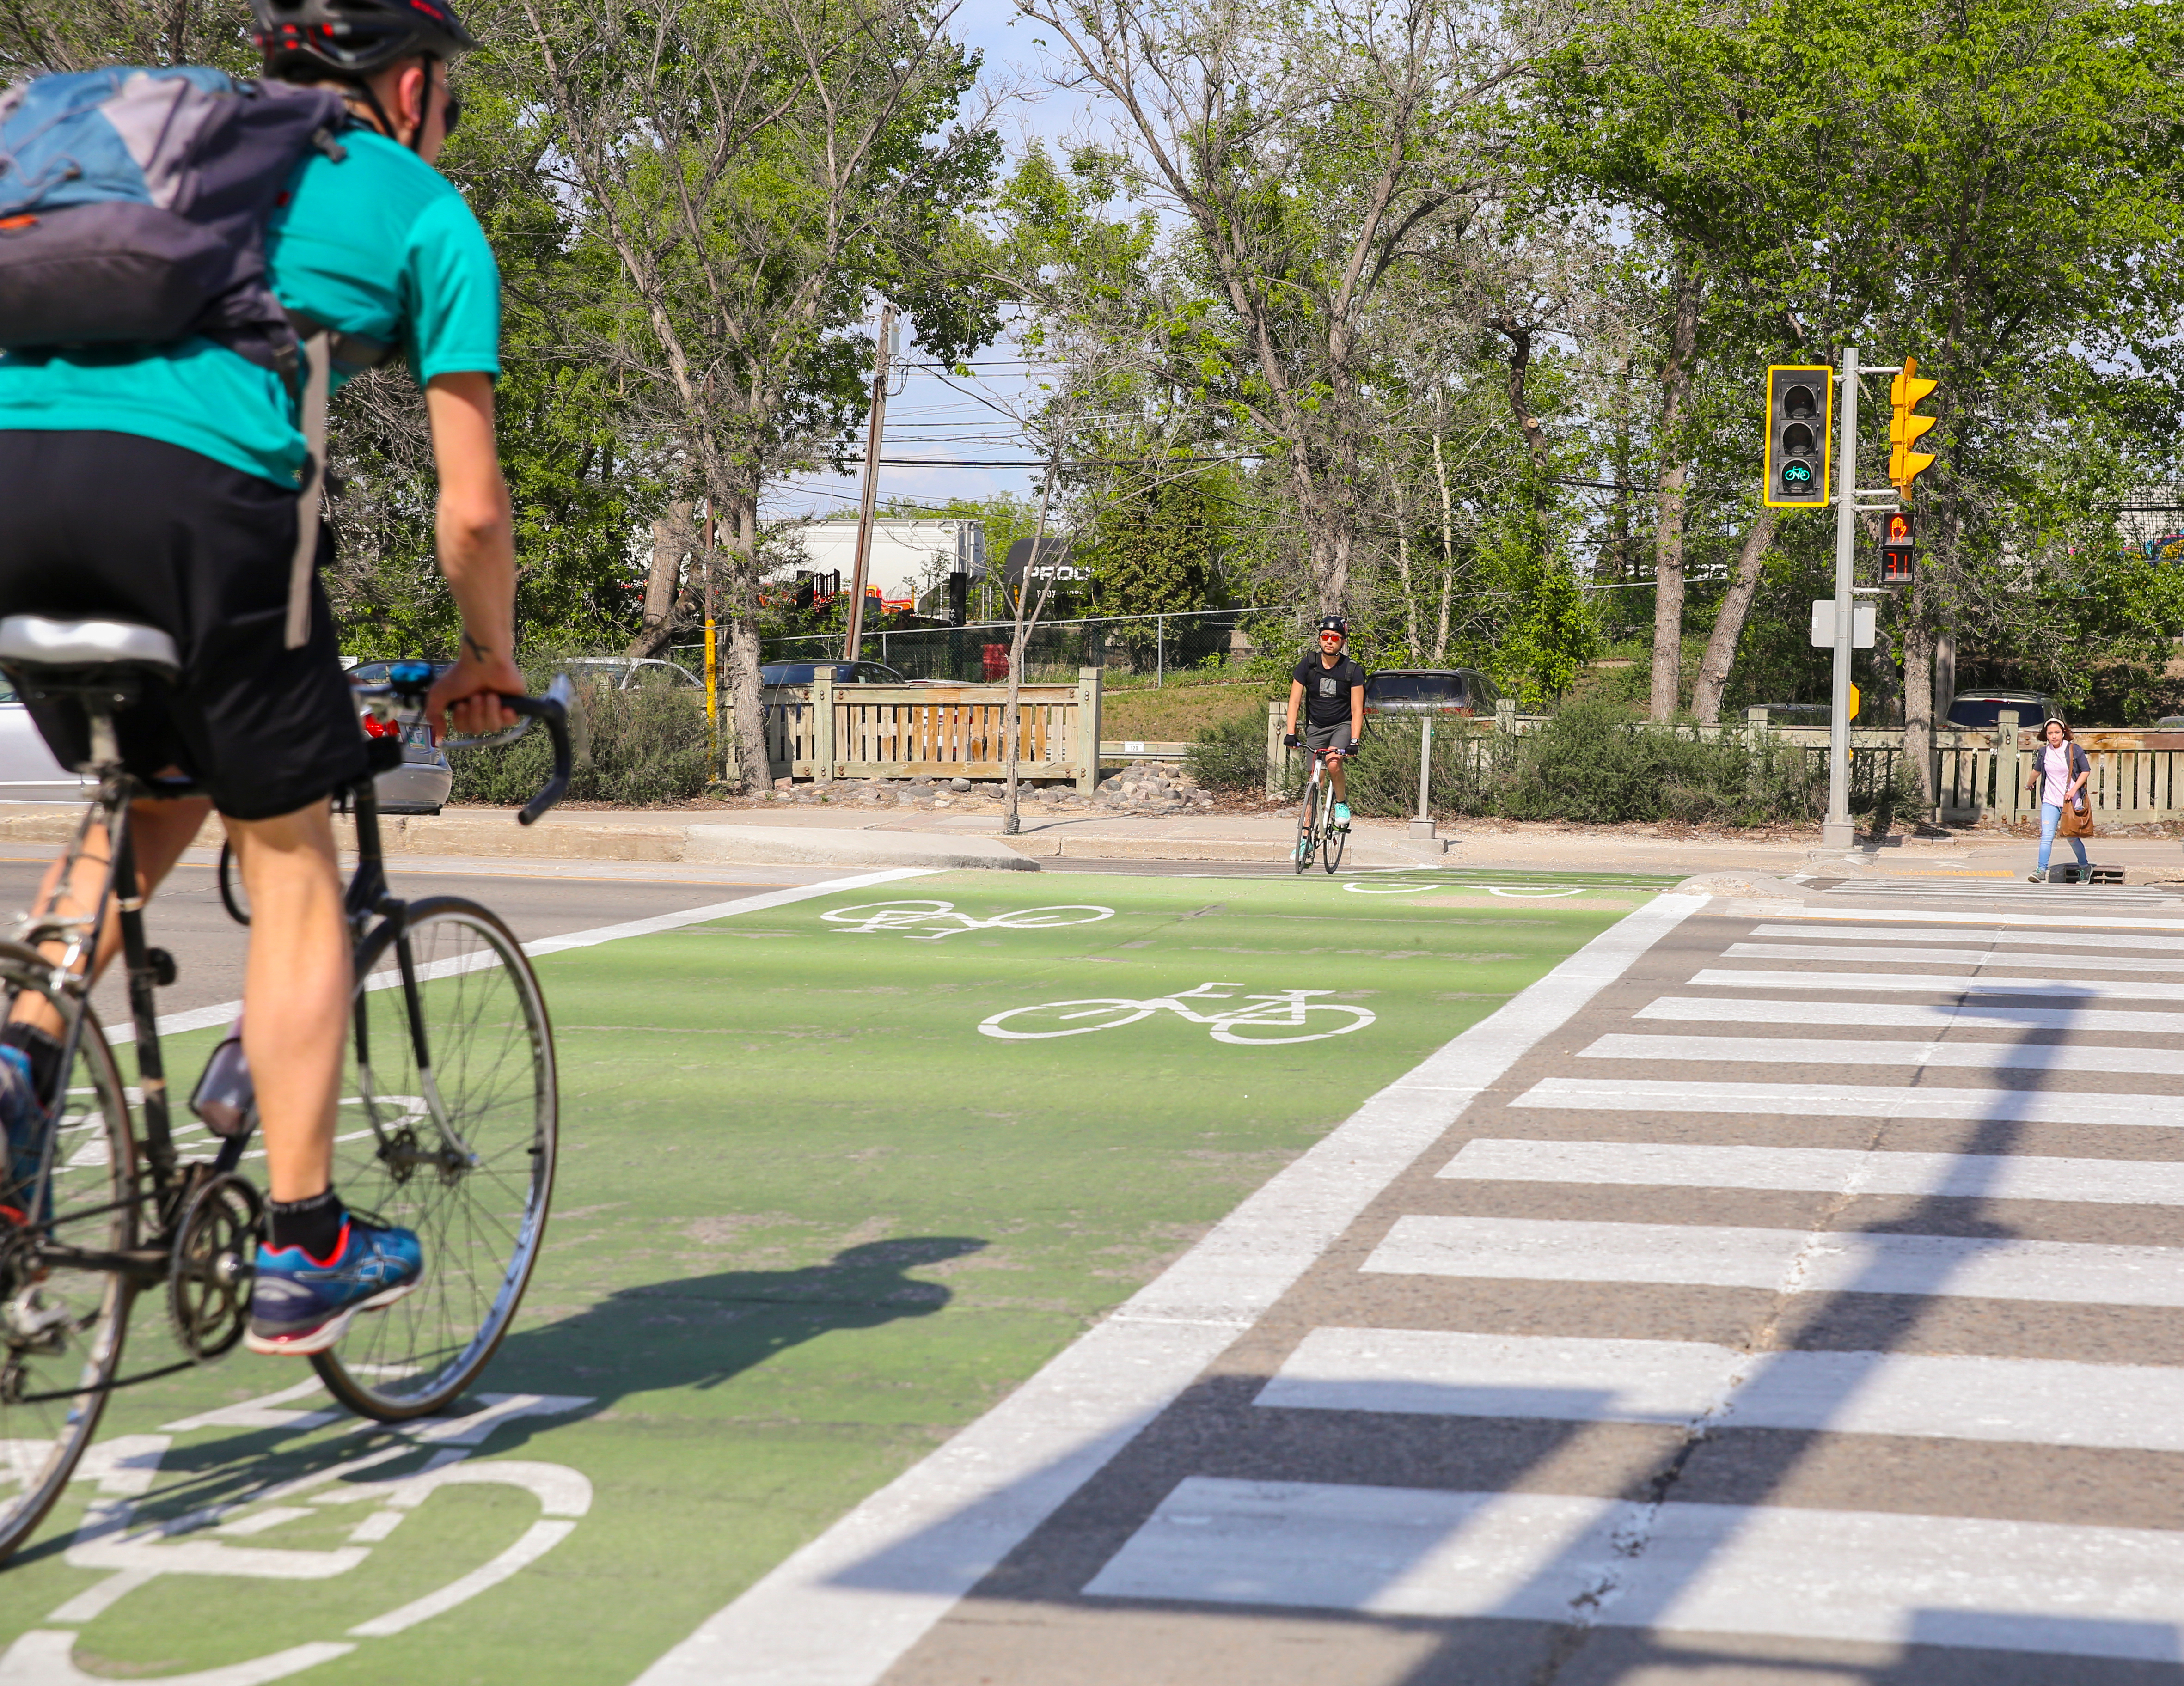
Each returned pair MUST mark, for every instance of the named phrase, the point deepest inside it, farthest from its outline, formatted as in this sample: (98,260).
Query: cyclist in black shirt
(1332,688)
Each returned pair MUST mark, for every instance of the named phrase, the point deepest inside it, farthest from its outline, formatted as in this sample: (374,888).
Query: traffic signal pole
(1837,832)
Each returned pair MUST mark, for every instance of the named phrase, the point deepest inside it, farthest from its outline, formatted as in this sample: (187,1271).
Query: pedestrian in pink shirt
(2059,773)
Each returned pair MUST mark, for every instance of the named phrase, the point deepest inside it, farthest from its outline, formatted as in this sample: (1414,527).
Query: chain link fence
(1151,645)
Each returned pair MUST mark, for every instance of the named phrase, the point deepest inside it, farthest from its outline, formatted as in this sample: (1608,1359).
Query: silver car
(28,771)
(421,783)
(627,673)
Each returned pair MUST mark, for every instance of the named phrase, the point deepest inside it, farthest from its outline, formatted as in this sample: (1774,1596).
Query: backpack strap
(318,372)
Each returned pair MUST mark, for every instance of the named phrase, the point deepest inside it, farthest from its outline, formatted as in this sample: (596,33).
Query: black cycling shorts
(95,524)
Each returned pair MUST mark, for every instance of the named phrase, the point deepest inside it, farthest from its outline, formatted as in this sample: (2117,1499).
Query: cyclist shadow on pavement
(699,1331)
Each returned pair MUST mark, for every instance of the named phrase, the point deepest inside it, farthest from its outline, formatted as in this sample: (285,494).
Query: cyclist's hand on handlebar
(1291,740)
(467,698)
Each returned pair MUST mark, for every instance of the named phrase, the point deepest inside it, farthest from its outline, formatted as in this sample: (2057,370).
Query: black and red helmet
(1335,623)
(352,38)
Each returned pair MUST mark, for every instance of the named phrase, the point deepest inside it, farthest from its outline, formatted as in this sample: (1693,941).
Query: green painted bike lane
(810,1221)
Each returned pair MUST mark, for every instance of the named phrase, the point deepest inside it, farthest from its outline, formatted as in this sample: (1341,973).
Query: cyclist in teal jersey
(162,486)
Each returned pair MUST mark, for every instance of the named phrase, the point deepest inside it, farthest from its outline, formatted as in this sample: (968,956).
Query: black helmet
(1333,623)
(351,39)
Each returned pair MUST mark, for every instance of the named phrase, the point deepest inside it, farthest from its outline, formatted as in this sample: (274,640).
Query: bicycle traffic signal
(1906,427)
(1800,405)
(1899,549)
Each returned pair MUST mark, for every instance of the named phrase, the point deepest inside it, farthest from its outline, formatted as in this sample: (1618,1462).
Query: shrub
(1230,754)
(633,748)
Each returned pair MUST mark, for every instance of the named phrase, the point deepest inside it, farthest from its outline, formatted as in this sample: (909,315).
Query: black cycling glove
(1291,741)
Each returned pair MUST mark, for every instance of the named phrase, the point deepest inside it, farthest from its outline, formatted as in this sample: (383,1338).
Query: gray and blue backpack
(134,203)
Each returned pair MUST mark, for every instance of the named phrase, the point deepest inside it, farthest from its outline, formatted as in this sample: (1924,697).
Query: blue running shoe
(1341,816)
(300,1305)
(24,1122)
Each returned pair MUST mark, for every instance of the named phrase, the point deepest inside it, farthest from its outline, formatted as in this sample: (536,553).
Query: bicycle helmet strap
(318,361)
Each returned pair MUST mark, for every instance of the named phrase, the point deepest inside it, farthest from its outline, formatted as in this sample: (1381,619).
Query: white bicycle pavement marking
(1281,1010)
(905,917)
(125,1467)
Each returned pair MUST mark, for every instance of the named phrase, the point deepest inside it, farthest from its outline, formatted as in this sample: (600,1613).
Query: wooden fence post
(1087,729)
(1275,757)
(822,725)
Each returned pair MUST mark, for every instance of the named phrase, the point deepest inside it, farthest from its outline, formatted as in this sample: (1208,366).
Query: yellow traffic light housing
(1906,427)
(1800,416)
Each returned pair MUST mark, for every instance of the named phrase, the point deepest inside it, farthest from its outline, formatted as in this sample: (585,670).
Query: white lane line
(1942,984)
(1881,933)
(1882,1579)
(843,1610)
(1990,1177)
(203,1018)
(1784,1050)
(1971,957)
(1837,1261)
(1854,1100)
(2072,916)
(1910,1015)
(2032,1401)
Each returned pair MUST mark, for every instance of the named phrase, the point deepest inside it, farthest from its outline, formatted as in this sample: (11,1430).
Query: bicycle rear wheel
(1308,831)
(62,1329)
(455,1140)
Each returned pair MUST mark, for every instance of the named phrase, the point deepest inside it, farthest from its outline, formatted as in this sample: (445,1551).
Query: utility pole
(1837,832)
(712,671)
(873,428)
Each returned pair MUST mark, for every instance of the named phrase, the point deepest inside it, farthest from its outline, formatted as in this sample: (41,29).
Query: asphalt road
(1801,1297)
(536,898)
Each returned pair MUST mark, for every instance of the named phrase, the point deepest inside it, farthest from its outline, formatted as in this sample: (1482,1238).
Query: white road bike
(1278,1016)
(906,917)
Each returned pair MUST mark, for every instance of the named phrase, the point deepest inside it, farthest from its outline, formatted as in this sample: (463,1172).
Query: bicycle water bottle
(225,1098)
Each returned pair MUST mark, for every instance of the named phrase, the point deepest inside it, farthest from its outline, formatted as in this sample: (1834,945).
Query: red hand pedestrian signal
(1899,549)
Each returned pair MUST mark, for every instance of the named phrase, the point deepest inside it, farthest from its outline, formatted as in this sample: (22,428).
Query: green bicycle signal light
(1800,412)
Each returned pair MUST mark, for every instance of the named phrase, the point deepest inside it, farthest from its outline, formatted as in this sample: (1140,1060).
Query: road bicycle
(906,917)
(1317,831)
(446,1124)
(1274,1017)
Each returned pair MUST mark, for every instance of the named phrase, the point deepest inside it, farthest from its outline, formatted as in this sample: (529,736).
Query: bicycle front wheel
(1306,828)
(447,1125)
(62,1326)
(1330,847)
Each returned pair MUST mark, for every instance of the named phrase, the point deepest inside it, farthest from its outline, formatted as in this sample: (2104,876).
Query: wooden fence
(824,730)
(1981,777)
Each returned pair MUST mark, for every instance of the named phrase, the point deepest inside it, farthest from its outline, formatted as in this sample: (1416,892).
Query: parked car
(28,771)
(844,673)
(627,673)
(1430,691)
(421,783)
(1980,711)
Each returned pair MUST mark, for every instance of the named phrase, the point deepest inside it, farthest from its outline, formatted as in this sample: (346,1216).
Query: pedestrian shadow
(699,1332)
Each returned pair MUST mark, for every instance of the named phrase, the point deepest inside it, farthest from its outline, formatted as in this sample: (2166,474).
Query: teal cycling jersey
(376,243)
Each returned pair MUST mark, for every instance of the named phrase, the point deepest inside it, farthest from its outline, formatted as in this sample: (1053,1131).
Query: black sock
(314,1225)
(43,1051)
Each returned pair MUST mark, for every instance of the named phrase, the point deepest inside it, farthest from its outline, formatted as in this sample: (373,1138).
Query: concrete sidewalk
(822,836)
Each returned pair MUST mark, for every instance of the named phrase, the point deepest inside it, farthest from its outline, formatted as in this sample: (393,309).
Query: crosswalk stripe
(1783,1260)
(1968,983)
(2044,1402)
(2079,917)
(1883,933)
(1971,957)
(1909,1015)
(2019,1056)
(1853,1100)
(1882,1579)
(1992,1177)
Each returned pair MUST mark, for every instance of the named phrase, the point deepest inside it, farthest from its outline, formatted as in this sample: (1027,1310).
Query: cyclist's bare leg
(162,829)
(1334,766)
(295,991)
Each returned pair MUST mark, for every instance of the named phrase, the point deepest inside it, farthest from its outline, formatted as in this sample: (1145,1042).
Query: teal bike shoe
(1342,816)
(25,1124)
(300,1306)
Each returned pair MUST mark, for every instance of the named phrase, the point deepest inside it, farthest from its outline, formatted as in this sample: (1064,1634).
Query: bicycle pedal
(159,967)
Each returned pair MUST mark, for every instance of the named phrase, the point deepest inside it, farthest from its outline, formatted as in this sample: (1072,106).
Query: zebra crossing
(1809,1305)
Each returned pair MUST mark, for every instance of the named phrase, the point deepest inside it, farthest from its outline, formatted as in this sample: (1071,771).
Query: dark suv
(1430,691)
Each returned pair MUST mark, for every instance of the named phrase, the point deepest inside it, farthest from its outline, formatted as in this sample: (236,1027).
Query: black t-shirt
(1327,689)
